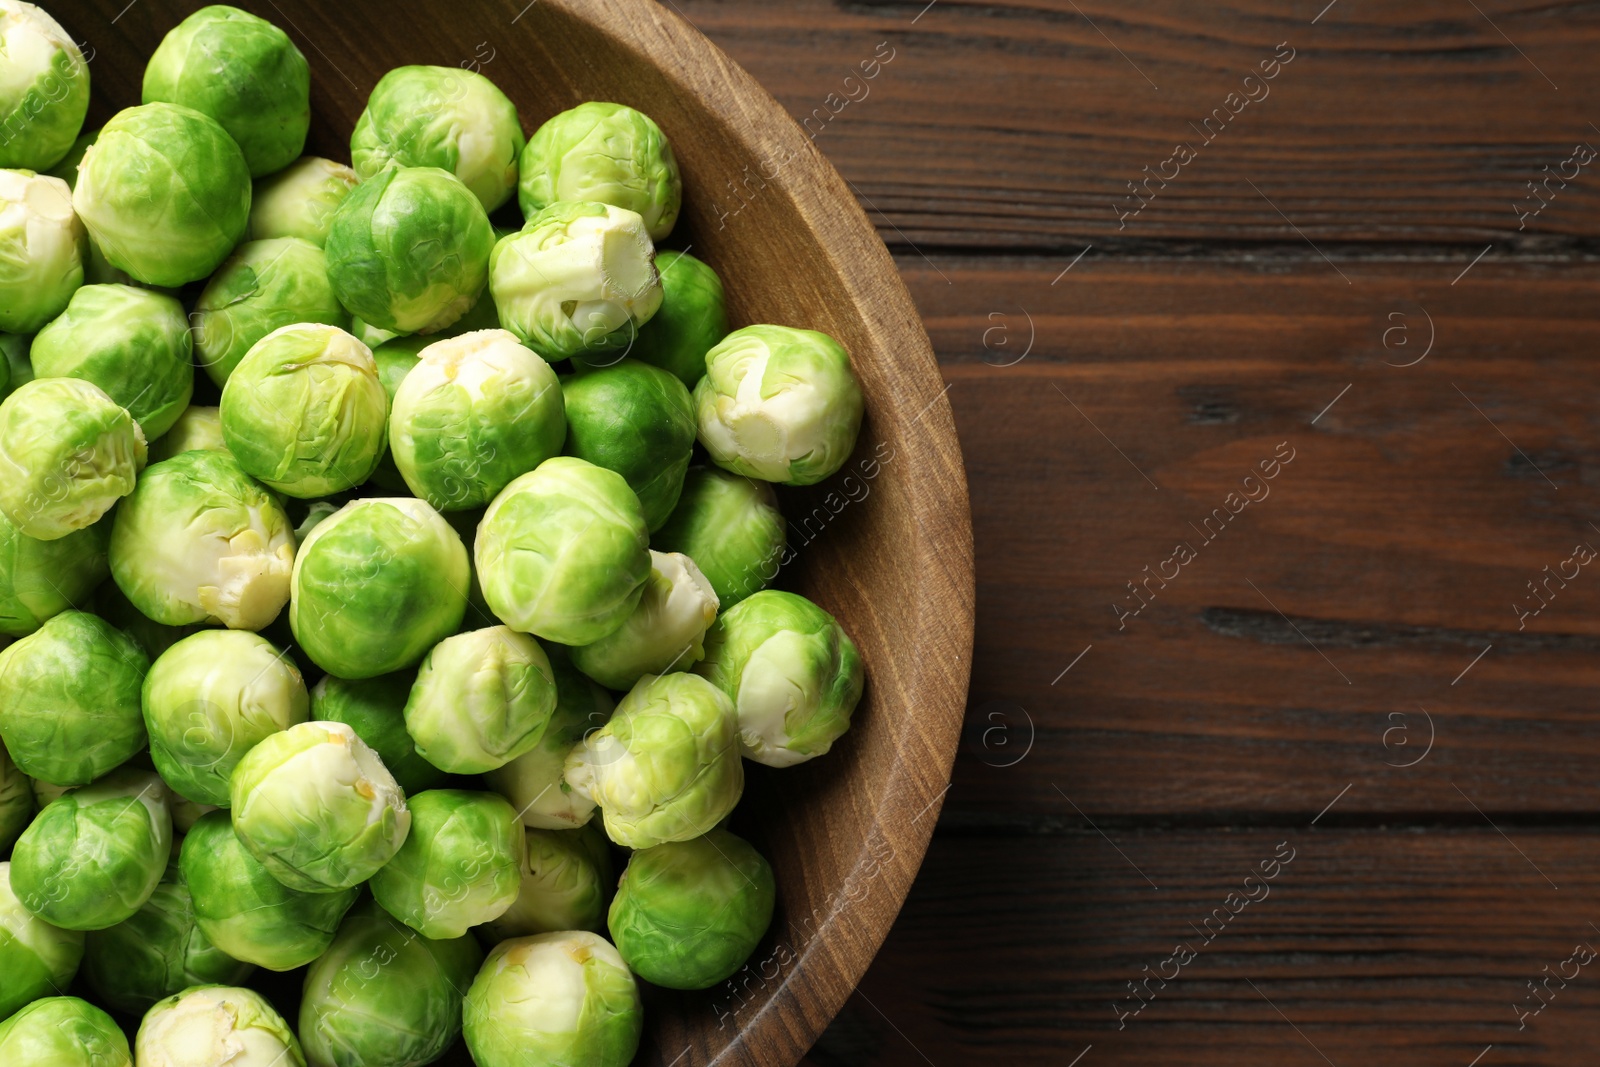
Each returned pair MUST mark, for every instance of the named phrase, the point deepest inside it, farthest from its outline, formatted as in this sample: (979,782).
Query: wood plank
(1396,541)
(1019,125)
(1394,946)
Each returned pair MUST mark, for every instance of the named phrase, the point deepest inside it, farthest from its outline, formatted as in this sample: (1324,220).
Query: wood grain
(1018,125)
(845,835)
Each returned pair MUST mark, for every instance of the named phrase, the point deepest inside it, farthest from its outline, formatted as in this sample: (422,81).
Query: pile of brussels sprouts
(440,595)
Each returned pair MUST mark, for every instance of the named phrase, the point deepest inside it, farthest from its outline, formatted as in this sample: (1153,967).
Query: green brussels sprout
(198,541)
(69,699)
(376,586)
(534,782)
(19,371)
(555,998)
(93,857)
(688,914)
(63,1032)
(43,792)
(604,152)
(304,411)
(68,452)
(779,404)
(408,250)
(196,429)
(41,579)
(692,319)
(383,995)
(562,552)
(444,117)
(160,951)
(132,343)
(475,412)
(67,168)
(42,244)
(639,421)
(731,527)
(36,958)
(299,201)
(246,912)
(563,888)
(793,674)
(316,511)
(460,866)
(46,91)
(263,286)
(164,193)
(242,71)
(375,709)
(663,633)
(318,808)
(212,697)
(16,802)
(370,335)
(666,767)
(395,358)
(481,699)
(215,1024)
(578,279)
(185,813)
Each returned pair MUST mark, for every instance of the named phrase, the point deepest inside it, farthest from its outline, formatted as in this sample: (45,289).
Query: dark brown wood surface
(1310,651)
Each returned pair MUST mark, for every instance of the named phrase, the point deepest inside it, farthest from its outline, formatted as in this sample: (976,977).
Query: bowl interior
(885,545)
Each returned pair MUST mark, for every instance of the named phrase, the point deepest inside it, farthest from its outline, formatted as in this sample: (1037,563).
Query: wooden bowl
(886,545)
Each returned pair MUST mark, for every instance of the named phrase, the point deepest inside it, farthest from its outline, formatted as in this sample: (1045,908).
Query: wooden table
(1283,476)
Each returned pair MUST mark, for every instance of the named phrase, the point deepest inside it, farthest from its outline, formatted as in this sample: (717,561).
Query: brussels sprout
(19,371)
(370,335)
(460,866)
(663,633)
(43,792)
(36,958)
(46,90)
(376,586)
(555,998)
(198,541)
(41,579)
(212,697)
(215,1024)
(688,914)
(375,709)
(185,813)
(395,359)
(692,319)
(132,343)
(304,411)
(318,808)
(164,193)
(639,421)
(443,117)
(67,168)
(779,404)
(42,245)
(63,1032)
(246,912)
(481,699)
(666,767)
(263,286)
(533,782)
(93,857)
(408,250)
(69,699)
(476,411)
(16,802)
(242,71)
(604,152)
(67,453)
(576,280)
(198,428)
(382,995)
(299,201)
(563,888)
(792,672)
(731,527)
(156,953)
(562,553)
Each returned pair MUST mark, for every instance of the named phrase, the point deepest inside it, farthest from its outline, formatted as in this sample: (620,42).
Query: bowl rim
(871,281)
